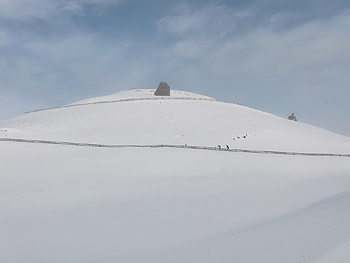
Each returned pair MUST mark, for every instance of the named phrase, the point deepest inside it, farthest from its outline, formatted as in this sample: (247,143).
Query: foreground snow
(64,203)
(74,204)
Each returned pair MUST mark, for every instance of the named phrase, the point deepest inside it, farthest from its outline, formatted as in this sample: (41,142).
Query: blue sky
(276,56)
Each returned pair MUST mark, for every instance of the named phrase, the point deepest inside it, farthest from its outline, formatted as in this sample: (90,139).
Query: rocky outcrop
(292,117)
(162,90)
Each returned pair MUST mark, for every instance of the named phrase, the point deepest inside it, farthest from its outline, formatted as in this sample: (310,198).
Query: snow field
(63,203)
(78,204)
(203,123)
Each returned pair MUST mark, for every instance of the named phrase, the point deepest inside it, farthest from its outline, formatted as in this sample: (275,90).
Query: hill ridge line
(126,100)
(180,146)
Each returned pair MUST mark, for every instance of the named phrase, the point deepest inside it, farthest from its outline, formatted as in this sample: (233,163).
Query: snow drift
(75,203)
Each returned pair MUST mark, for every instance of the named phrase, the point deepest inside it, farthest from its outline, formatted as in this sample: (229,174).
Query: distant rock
(163,89)
(292,117)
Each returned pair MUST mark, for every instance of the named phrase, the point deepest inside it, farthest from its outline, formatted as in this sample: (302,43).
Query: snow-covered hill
(139,117)
(143,94)
(66,203)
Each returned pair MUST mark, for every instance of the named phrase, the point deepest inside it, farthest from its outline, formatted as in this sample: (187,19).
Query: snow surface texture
(64,203)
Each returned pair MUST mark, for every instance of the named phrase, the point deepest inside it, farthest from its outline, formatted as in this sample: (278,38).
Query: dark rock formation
(292,117)
(163,90)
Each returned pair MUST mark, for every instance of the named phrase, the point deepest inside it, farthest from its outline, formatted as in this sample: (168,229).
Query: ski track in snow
(340,254)
(172,146)
(298,226)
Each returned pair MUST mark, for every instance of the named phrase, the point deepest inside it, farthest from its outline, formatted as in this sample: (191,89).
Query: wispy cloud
(317,47)
(49,9)
(6,38)
(211,21)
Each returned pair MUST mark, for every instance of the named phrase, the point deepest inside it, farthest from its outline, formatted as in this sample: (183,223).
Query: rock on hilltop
(163,90)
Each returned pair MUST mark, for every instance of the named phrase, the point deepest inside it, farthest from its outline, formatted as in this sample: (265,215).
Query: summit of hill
(143,94)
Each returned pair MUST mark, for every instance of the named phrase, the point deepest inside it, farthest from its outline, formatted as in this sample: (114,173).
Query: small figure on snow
(227,147)
(219,146)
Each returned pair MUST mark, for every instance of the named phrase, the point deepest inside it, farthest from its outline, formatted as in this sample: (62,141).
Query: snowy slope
(64,203)
(168,120)
(143,94)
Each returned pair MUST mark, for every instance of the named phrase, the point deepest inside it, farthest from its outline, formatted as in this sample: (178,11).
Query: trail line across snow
(125,100)
(182,146)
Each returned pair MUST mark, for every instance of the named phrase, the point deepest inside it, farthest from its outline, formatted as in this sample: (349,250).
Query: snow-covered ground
(64,203)
(143,94)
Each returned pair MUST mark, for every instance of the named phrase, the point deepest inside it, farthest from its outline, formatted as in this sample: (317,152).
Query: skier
(227,147)
(219,146)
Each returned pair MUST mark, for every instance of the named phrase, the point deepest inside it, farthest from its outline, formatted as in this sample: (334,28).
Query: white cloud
(192,48)
(318,47)
(47,9)
(212,21)
(183,23)
(62,70)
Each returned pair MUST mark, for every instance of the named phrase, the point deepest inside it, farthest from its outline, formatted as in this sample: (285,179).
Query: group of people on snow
(227,147)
